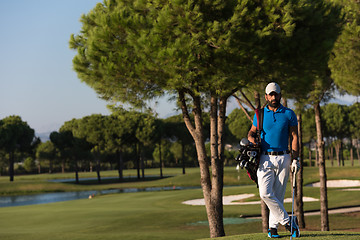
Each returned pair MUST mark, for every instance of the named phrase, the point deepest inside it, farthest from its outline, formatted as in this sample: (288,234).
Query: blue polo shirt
(275,134)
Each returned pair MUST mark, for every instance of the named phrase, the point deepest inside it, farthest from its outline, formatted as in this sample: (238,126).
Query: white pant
(273,174)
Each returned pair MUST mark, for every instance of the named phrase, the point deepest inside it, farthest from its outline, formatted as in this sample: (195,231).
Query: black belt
(277,153)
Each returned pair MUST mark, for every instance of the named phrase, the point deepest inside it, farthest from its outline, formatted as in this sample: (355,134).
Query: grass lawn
(159,215)
(332,235)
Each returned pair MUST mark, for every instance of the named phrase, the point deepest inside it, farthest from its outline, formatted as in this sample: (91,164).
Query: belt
(277,153)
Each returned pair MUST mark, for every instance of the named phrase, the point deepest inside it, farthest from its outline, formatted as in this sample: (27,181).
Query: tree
(176,130)
(29,164)
(238,124)
(16,136)
(119,133)
(202,52)
(299,203)
(322,170)
(46,151)
(63,141)
(336,126)
(77,148)
(345,60)
(91,129)
(354,118)
(145,135)
(323,86)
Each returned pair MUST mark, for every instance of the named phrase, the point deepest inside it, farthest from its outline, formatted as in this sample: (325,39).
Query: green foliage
(16,134)
(167,155)
(308,125)
(344,63)
(29,164)
(132,51)
(16,138)
(238,124)
(46,151)
(336,120)
(354,118)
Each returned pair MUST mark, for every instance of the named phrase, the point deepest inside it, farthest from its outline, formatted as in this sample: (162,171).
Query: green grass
(143,215)
(28,184)
(332,235)
(158,215)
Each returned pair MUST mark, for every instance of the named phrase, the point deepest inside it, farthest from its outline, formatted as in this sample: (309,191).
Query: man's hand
(295,166)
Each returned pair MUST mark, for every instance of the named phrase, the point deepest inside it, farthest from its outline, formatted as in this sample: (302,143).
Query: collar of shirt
(281,108)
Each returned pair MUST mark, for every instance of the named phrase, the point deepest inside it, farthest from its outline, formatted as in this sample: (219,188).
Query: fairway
(161,214)
(158,215)
(332,235)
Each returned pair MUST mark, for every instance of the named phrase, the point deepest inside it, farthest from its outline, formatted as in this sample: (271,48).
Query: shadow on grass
(112,180)
(330,234)
(311,235)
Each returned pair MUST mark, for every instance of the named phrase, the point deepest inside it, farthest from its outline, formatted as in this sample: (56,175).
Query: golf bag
(249,157)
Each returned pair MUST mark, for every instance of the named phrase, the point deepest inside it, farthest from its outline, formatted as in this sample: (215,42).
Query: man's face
(273,99)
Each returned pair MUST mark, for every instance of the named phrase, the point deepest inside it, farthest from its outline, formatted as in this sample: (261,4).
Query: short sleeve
(255,121)
(293,119)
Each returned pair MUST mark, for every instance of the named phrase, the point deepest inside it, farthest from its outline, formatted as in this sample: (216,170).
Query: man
(279,123)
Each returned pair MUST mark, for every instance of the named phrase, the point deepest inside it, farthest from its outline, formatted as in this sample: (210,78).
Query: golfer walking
(279,124)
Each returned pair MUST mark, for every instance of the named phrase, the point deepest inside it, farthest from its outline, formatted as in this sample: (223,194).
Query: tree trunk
(63,166)
(332,155)
(265,216)
(322,171)
(212,187)
(76,172)
(120,165)
(341,153)
(98,169)
(11,165)
(337,151)
(160,157)
(310,164)
(352,155)
(137,160)
(216,132)
(264,207)
(141,154)
(50,165)
(183,156)
(299,206)
(142,165)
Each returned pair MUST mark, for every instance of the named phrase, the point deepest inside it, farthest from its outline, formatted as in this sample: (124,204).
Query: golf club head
(244,142)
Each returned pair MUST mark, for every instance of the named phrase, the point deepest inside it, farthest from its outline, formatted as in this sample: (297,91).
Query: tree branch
(242,107)
(248,102)
(185,112)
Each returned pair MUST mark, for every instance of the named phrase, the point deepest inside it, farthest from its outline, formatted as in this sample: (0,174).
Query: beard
(274,103)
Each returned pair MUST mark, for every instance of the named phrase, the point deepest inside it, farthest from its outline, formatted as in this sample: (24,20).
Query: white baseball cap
(272,87)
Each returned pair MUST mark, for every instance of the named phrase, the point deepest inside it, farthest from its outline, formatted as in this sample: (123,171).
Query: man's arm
(294,141)
(252,134)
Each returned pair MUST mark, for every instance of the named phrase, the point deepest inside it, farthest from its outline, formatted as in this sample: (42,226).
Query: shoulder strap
(260,119)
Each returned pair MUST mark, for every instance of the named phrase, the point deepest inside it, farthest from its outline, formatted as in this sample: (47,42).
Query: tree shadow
(113,180)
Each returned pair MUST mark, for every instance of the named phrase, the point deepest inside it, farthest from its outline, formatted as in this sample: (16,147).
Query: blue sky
(36,77)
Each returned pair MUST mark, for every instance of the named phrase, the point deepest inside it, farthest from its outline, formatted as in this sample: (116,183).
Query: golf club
(292,206)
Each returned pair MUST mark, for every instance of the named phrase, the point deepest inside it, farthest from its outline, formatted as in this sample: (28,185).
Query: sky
(37,81)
